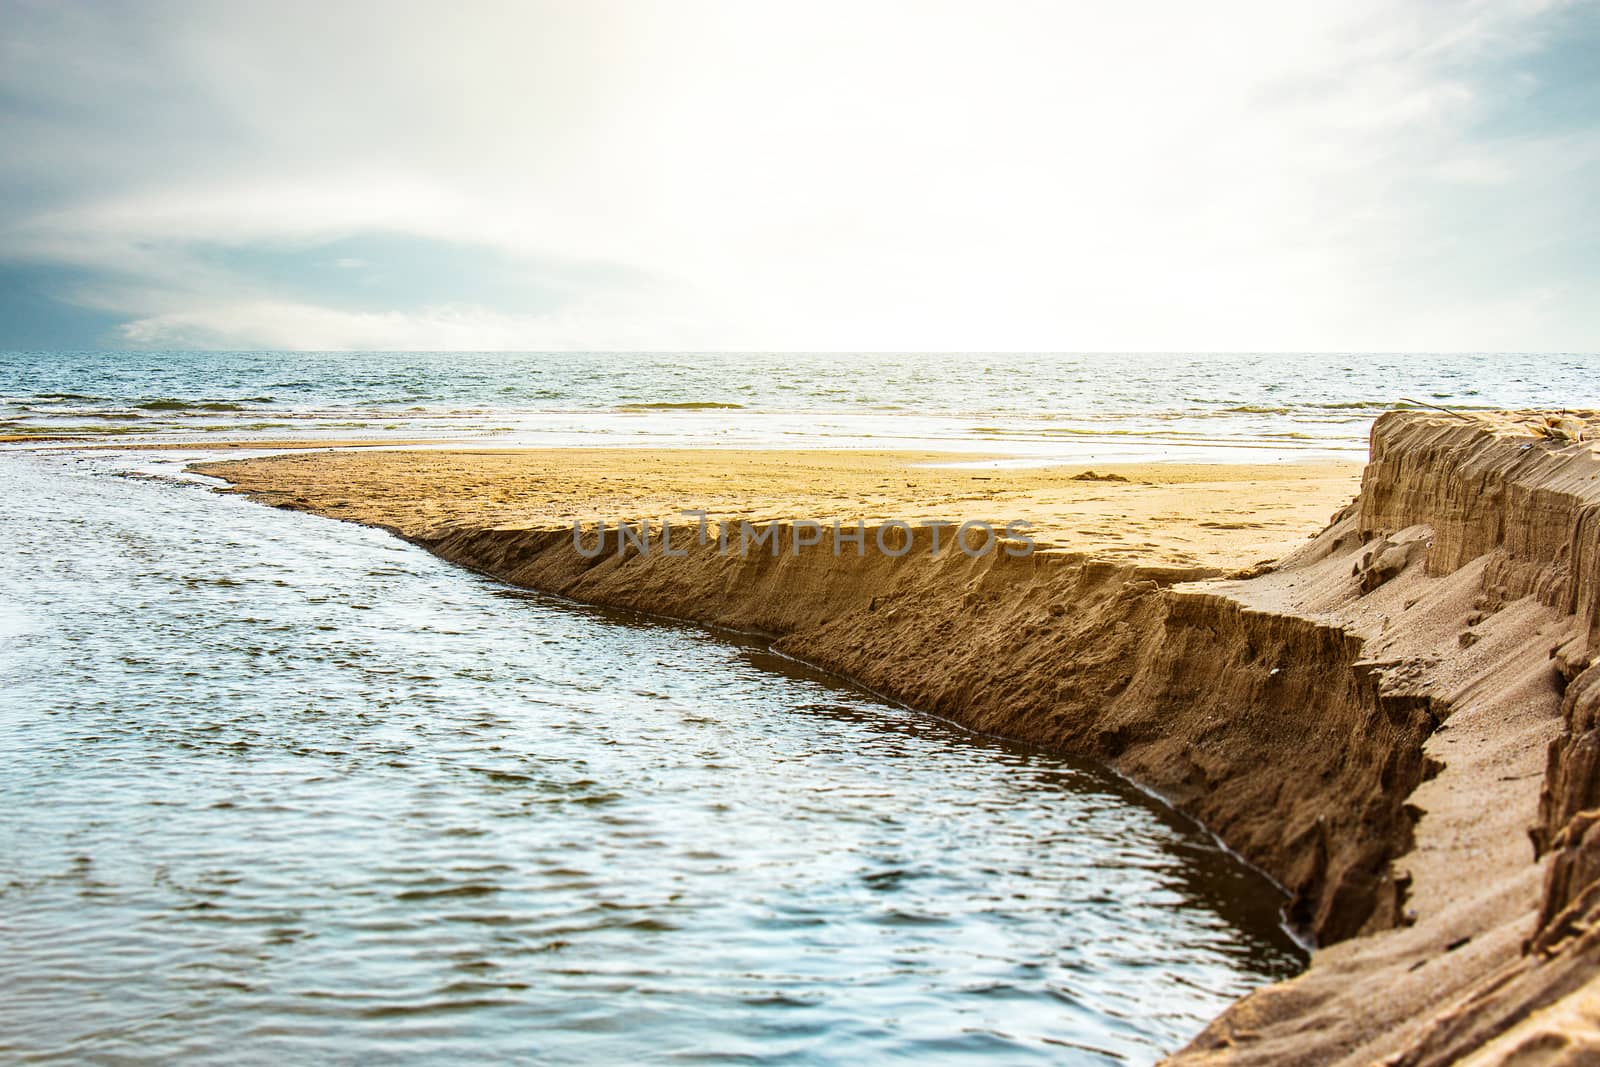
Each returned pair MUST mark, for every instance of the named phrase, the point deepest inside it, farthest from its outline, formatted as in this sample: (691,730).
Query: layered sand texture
(1398,721)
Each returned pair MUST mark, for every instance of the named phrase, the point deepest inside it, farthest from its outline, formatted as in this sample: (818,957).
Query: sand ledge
(1377,722)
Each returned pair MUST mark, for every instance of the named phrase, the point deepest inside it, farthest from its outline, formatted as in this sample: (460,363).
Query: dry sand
(1227,516)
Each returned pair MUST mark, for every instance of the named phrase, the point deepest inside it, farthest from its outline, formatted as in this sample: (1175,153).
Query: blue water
(1173,406)
(284,790)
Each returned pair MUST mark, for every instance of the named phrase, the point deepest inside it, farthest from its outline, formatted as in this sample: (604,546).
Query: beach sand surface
(1227,516)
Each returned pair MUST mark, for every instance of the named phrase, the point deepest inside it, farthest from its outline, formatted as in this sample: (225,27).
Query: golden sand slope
(1217,515)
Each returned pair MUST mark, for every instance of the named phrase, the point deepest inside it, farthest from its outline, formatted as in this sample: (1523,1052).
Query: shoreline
(1192,672)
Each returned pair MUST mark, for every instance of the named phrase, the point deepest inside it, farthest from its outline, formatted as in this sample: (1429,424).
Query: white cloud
(272,325)
(879,175)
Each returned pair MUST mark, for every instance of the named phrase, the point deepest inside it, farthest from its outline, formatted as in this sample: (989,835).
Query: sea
(1043,407)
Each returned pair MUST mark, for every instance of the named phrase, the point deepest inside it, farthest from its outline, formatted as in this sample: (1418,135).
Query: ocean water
(1106,407)
(284,790)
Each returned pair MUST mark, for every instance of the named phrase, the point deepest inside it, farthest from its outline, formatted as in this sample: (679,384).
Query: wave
(172,404)
(20,430)
(76,413)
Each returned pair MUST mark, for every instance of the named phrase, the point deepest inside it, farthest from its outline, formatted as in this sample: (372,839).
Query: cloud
(835,176)
(273,325)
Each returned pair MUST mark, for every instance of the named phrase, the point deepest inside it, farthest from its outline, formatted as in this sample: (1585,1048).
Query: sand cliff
(1398,721)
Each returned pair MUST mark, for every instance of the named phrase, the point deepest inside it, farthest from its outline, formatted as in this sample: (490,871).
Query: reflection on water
(279,789)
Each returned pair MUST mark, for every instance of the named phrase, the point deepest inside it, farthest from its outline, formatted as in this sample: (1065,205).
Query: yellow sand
(1222,515)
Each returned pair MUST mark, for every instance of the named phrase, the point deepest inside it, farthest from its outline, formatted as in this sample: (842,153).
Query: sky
(820,176)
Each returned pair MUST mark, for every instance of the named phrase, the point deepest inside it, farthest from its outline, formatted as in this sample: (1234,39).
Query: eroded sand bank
(1378,721)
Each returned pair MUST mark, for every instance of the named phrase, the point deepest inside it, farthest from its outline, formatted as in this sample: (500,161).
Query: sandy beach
(1223,516)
